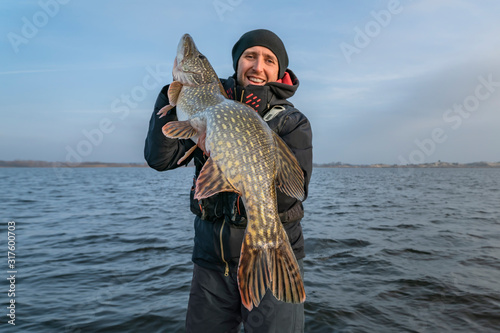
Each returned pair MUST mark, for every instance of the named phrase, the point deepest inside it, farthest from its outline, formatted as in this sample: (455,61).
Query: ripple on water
(104,250)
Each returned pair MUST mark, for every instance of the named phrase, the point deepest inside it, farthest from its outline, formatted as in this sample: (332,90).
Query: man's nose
(258,64)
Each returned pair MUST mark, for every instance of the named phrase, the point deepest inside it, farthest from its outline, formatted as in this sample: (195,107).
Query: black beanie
(261,37)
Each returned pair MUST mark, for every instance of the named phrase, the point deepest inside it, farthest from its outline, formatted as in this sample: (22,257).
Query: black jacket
(220,220)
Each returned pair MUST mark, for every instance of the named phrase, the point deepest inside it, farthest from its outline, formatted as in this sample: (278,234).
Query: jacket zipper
(226,271)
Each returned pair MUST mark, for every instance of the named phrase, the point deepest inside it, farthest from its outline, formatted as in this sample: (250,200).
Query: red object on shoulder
(286,79)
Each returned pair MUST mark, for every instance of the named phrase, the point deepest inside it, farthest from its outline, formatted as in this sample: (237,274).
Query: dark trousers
(215,306)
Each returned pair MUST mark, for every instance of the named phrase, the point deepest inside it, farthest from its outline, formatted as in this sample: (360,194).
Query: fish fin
(211,181)
(179,130)
(164,110)
(287,284)
(254,275)
(290,177)
(263,268)
(173,92)
(187,154)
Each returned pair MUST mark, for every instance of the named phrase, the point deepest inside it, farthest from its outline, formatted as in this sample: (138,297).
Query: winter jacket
(220,220)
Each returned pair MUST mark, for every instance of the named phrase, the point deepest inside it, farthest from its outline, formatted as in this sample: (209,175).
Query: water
(109,249)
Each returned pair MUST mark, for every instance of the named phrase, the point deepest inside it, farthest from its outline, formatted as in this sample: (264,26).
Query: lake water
(388,250)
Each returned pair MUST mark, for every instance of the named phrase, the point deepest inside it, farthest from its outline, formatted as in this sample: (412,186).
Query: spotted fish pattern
(246,157)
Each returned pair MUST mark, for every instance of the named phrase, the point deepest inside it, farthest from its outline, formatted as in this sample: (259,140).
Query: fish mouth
(186,49)
(190,66)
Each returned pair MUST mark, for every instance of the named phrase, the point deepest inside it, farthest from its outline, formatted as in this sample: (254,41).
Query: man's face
(257,65)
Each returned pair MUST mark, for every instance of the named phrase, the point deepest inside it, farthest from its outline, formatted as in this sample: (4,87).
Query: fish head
(192,68)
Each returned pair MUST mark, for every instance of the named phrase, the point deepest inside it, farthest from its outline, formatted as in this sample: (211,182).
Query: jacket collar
(263,98)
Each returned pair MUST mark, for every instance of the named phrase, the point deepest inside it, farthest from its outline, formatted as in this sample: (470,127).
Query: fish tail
(287,284)
(253,274)
(263,268)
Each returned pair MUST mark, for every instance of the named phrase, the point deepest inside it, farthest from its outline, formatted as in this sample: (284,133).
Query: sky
(393,82)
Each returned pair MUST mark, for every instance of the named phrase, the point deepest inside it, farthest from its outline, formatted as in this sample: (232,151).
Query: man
(263,81)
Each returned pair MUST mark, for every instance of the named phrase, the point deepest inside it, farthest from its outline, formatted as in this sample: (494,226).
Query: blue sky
(381,81)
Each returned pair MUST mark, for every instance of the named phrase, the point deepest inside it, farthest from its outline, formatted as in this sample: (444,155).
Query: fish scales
(246,157)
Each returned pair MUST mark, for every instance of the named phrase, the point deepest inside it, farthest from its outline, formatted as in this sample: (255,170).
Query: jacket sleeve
(160,152)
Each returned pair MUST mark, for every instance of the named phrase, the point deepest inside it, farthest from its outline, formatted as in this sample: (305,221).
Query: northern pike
(246,157)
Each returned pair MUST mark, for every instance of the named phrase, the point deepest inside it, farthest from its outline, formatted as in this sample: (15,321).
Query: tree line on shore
(438,164)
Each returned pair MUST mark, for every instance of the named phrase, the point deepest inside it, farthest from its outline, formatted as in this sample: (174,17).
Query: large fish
(246,157)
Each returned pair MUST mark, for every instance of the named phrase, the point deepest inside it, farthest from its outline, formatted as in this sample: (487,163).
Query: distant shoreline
(422,165)
(44,164)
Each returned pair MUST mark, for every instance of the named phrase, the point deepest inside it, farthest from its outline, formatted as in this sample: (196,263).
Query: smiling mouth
(256,80)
